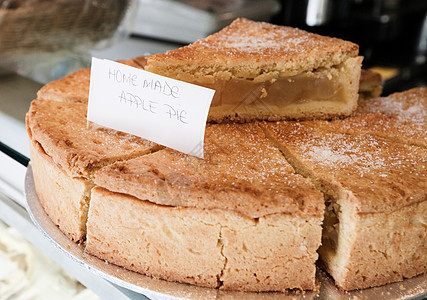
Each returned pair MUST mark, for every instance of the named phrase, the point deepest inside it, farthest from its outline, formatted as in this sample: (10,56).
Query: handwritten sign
(170,112)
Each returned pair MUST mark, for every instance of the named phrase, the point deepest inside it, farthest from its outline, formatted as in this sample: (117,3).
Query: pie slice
(376,201)
(268,72)
(64,154)
(240,219)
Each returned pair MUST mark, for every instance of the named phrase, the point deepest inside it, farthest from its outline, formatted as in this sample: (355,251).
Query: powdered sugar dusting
(325,156)
(260,39)
(349,155)
(415,113)
(338,151)
(256,162)
(244,37)
(265,38)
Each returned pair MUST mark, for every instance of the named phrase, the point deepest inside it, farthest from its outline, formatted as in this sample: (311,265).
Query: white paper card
(166,111)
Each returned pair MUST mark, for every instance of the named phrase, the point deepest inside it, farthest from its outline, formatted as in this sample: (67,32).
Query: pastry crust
(208,247)
(61,130)
(374,215)
(377,248)
(65,199)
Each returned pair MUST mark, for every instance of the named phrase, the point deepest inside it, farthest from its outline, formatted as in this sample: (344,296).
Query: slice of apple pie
(262,71)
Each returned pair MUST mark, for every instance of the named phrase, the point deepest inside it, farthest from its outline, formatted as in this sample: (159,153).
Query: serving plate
(414,288)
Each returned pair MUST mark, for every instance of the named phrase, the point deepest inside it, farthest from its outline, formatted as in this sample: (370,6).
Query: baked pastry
(375,190)
(243,200)
(64,155)
(239,219)
(369,84)
(262,71)
(401,117)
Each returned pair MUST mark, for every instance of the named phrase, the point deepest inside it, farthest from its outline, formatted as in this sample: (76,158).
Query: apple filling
(330,227)
(317,93)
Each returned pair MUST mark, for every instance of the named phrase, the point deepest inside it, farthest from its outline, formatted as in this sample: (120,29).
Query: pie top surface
(401,117)
(383,176)
(61,130)
(248,49)
(242,171)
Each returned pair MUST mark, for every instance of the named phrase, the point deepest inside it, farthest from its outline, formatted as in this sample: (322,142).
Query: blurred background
(392,34)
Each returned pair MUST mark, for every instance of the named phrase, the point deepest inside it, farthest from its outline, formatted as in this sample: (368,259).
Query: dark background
(390,33)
